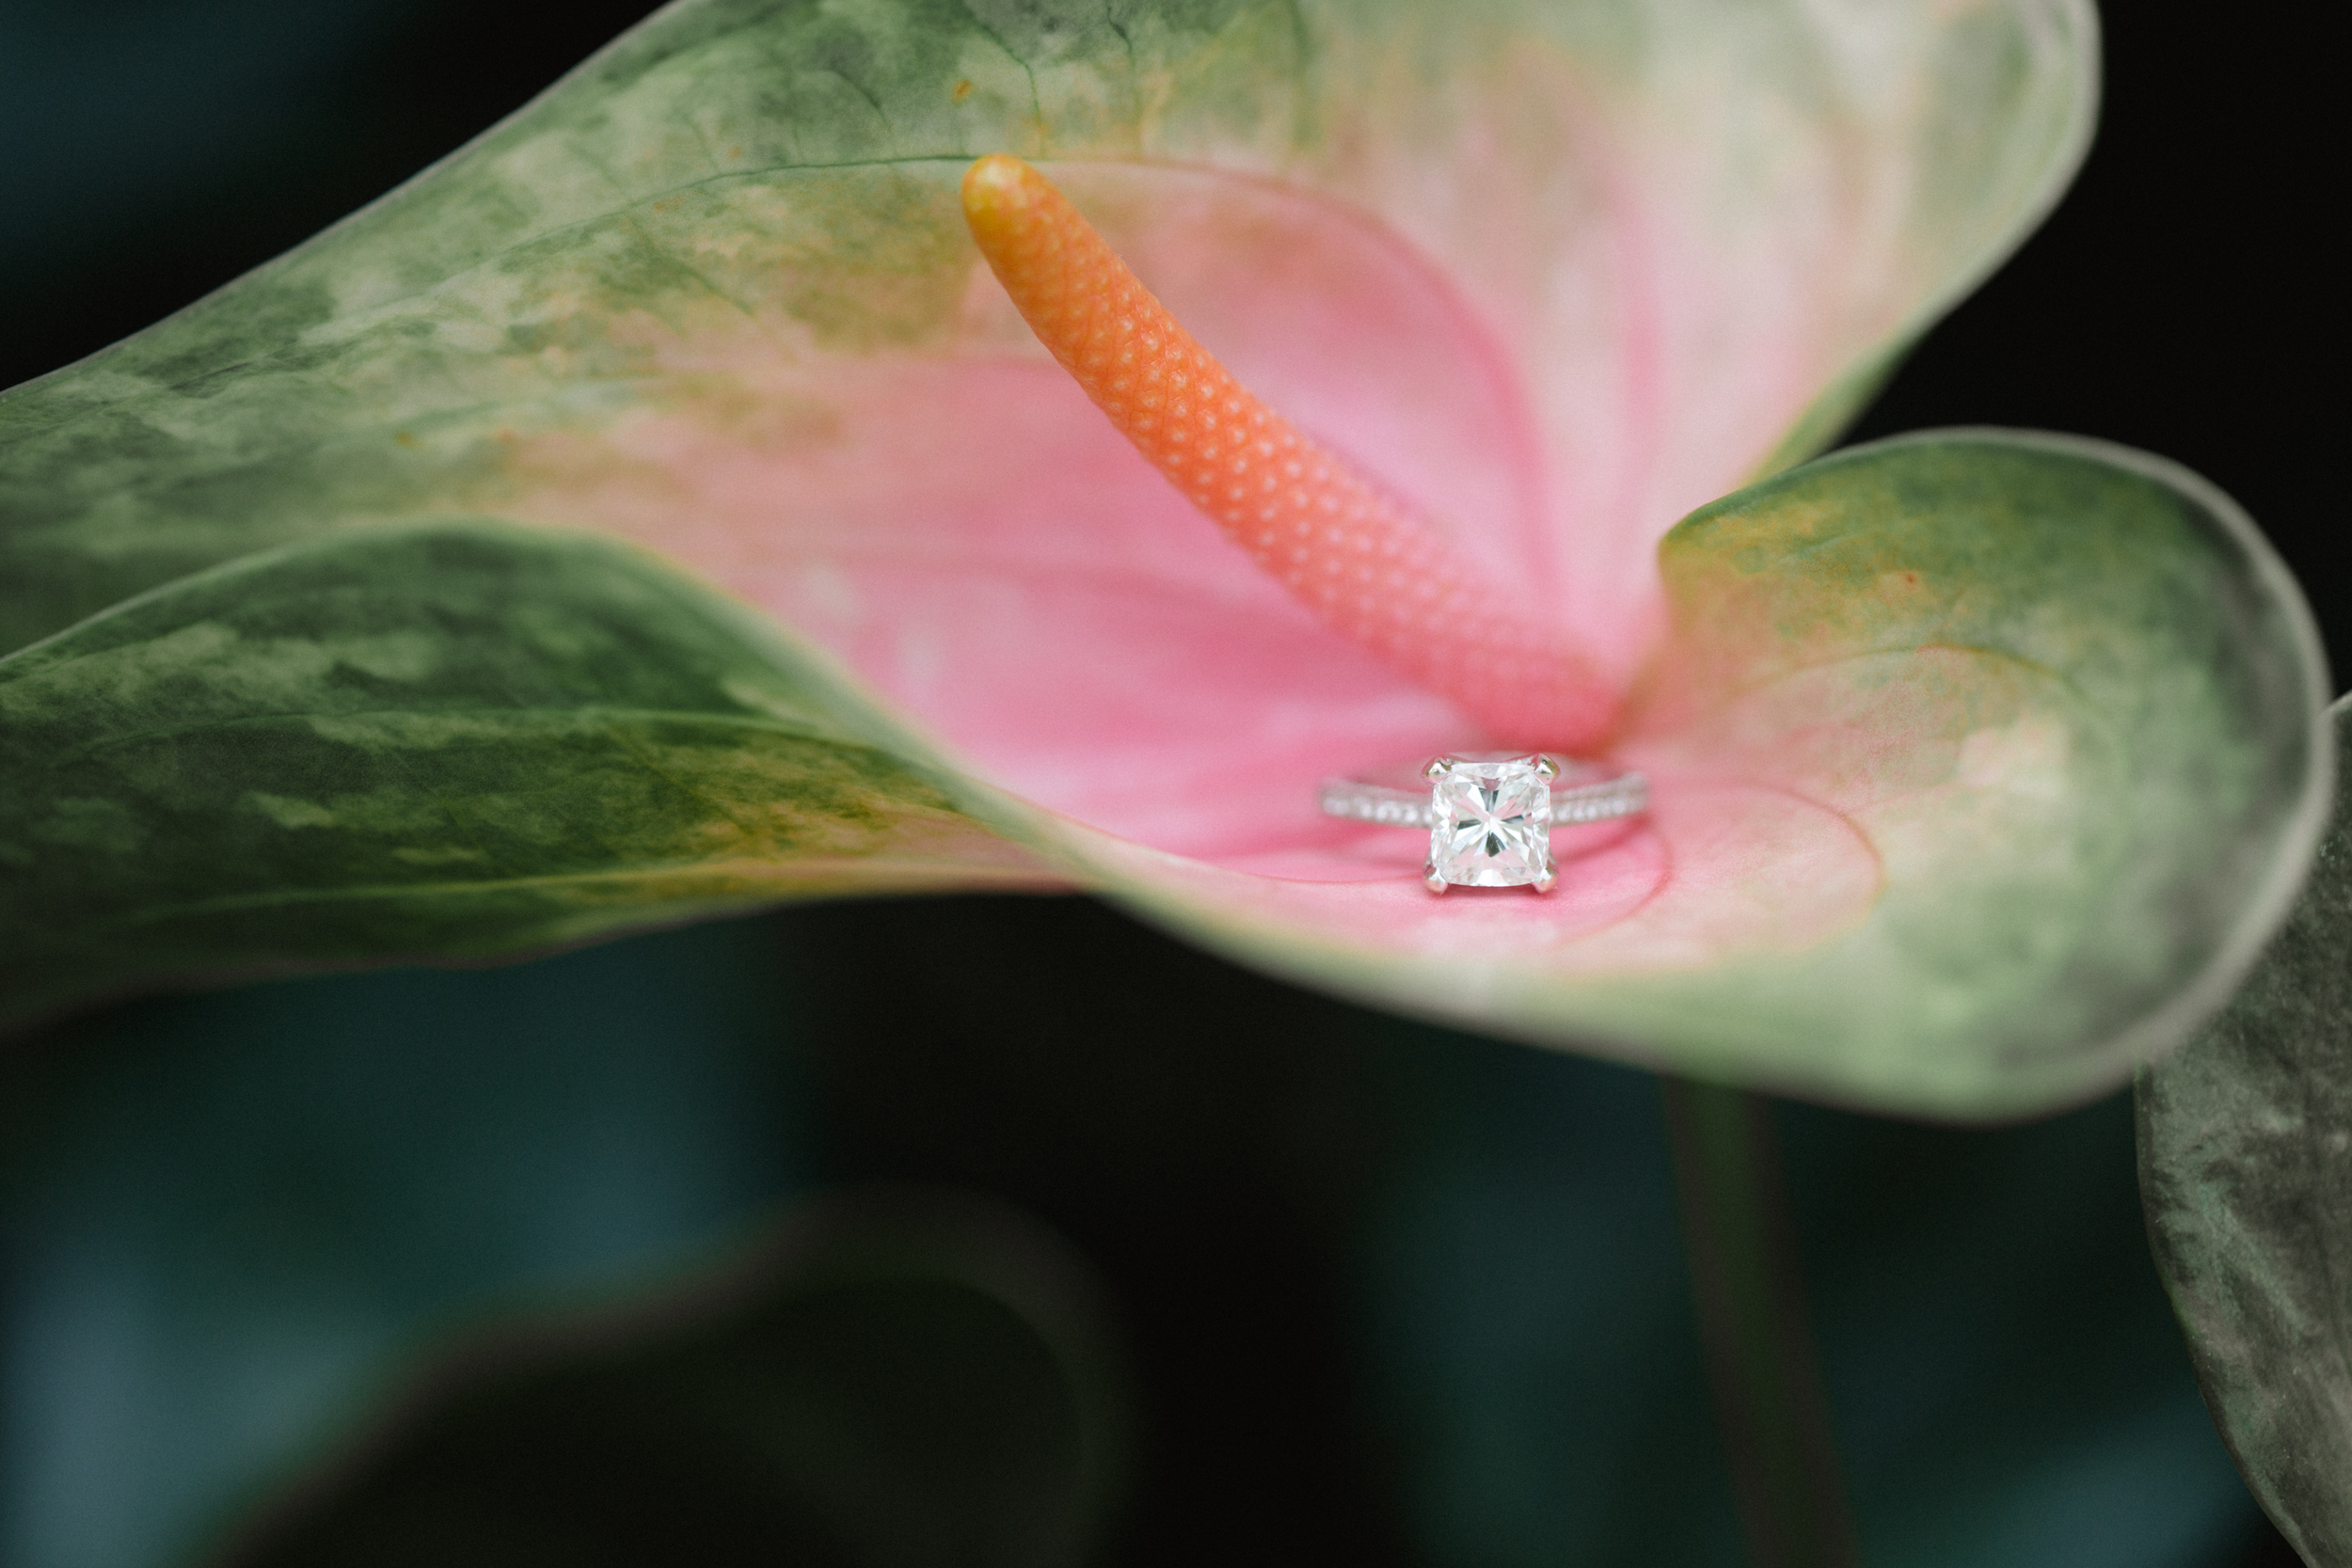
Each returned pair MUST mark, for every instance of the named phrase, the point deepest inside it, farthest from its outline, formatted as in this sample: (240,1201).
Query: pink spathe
(975,543)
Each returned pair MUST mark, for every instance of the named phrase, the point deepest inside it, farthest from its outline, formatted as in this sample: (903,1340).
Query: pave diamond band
(1625,795)
(1489,818)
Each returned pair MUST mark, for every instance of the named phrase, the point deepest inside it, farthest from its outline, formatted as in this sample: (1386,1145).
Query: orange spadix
(1356,558)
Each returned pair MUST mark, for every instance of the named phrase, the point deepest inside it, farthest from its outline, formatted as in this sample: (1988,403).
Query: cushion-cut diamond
(1490,823)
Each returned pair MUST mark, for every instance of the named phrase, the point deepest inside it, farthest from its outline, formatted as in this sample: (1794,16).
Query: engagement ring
(1490,817)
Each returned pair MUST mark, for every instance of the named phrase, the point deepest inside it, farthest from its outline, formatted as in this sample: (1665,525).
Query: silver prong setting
(1489,816)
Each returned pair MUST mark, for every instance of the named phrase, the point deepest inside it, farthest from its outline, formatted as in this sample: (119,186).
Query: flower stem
(1752,1319)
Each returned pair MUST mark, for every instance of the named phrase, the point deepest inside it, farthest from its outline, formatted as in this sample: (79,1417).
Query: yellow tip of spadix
(998,186)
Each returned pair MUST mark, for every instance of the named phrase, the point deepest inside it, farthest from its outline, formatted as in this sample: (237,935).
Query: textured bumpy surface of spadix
(660,506)
(1360,562)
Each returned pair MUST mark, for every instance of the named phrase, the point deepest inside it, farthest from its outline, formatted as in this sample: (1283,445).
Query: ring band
(1489,818)
(1624,794)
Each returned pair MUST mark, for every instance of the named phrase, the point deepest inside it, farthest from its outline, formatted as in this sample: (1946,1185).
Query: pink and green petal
(1555,274)
(1982,763)
(1675,231)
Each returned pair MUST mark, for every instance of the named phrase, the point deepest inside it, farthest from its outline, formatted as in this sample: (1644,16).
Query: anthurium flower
(658,507)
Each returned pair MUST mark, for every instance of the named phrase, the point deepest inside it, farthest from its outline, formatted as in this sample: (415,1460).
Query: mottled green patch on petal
(2070,697)
(443,742)
(2246,1172)
(775,181)
(1984,762)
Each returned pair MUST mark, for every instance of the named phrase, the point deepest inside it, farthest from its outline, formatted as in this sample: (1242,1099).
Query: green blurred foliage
(902,1379)
(2006,1384)
(2246,1170)
(1391,1294)
(232,1224)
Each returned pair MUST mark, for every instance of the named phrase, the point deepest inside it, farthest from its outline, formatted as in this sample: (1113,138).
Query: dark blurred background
(1321,1285)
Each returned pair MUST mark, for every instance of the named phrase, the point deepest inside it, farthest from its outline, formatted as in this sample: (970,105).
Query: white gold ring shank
(1627,794)
(1489,818)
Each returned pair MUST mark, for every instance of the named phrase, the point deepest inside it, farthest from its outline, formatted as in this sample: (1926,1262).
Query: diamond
(1490,823)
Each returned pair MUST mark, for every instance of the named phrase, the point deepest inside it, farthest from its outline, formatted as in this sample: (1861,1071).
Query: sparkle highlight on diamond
(1490,823)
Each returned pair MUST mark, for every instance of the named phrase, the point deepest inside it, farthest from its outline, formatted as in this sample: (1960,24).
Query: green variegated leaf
(2246,1172)
(435,741)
